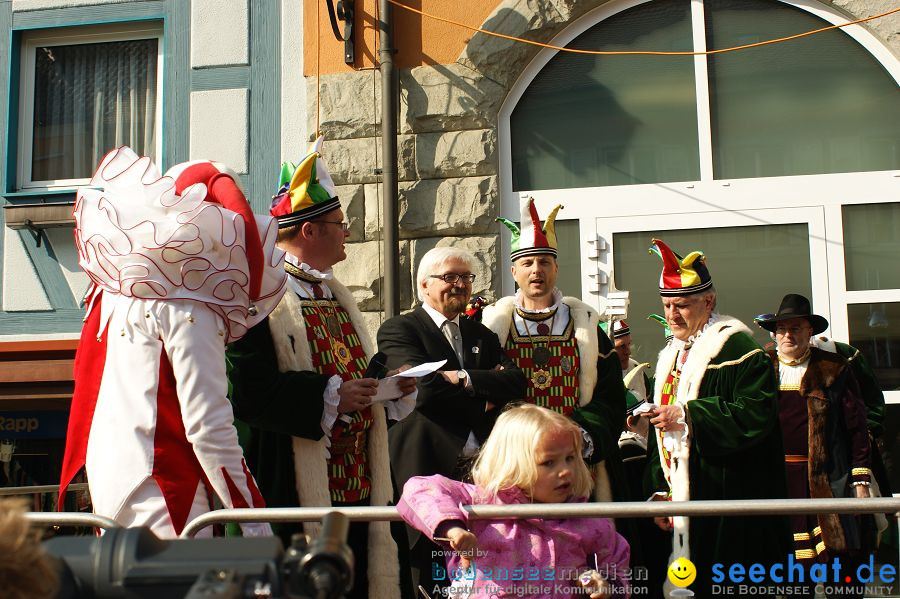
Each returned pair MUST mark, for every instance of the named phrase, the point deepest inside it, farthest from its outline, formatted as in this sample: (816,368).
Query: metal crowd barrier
(70,519)
(58,518)
(36,489)
(637,509)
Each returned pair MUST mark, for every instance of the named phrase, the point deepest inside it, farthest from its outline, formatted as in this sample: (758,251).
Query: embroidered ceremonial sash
(561,388)
(670,387)
(348,467)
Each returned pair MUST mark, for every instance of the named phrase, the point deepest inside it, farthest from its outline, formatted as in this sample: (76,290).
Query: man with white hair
(717,432)
(457,405)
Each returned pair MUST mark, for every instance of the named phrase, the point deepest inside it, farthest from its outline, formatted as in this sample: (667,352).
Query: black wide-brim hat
(794,306)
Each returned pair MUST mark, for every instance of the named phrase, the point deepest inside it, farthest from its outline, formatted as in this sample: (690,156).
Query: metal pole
(70,519)
(389,110)
(635,509)
(33,490)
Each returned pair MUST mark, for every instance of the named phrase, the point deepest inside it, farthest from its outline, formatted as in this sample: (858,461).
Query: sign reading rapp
(33,425)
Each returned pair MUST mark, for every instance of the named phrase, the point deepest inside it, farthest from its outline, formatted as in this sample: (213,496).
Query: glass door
(755,257)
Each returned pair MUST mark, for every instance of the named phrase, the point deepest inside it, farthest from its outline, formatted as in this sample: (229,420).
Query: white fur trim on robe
(705,348)
(310,457)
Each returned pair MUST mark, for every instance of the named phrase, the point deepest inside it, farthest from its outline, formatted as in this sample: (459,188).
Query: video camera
(134,563)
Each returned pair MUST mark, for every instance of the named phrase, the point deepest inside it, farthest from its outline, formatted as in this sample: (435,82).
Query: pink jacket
(534,558)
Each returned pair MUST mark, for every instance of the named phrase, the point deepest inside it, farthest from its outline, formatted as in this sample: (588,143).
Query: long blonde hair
(507,458)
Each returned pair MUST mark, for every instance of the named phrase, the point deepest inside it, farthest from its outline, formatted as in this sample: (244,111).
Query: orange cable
(638,52)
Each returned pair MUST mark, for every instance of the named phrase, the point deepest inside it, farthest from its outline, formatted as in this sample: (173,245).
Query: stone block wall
(447,150)
(448,147)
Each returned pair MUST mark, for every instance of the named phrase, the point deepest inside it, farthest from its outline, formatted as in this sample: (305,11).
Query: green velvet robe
(871,392)
(735,452)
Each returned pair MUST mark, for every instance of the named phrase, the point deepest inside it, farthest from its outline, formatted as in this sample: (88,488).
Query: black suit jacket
(430,440)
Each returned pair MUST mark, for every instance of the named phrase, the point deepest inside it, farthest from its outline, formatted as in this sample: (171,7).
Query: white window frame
(812,216)
(70,36)
(711,202)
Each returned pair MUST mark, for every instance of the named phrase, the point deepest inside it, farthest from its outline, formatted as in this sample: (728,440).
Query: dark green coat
(735,448)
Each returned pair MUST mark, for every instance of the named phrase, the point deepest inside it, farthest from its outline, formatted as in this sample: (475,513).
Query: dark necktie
(456,340)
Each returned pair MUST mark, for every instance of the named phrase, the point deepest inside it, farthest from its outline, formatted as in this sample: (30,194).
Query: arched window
(815,105)
(780,161)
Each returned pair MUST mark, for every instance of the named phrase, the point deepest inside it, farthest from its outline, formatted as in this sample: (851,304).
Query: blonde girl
(533,455)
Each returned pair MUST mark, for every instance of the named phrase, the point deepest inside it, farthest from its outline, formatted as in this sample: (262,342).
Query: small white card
(389,387)
(422,369)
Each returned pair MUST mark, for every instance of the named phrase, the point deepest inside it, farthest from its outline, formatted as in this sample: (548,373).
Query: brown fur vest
(822,387)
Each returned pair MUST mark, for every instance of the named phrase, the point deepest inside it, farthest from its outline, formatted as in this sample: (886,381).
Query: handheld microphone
(377,368)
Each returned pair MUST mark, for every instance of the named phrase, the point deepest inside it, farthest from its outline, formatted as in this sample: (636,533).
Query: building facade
(780,161)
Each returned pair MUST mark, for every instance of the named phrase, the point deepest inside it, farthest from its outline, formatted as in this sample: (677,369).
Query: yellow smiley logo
(682,572)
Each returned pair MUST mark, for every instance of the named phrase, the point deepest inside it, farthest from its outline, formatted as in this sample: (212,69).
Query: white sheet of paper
(422,369)
(389,387)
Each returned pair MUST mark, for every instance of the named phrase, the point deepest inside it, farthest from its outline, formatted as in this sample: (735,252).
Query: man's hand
(862,491)
(666,523)
(666,418)
(406,384)
(356,394)
(450,376)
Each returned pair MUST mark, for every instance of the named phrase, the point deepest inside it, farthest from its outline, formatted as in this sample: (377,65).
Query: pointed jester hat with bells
(530,239)
(189,234)
(681,276)
(305,191)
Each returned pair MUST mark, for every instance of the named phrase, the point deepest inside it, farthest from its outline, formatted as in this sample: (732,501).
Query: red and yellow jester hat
(305,191)
(681,276)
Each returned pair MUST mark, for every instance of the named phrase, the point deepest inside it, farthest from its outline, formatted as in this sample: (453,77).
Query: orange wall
(418,40)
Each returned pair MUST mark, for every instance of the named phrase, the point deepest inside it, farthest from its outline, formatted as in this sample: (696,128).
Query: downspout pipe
(389,112)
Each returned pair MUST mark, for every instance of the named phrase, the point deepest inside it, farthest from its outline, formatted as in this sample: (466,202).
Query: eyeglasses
(452,278)
(344,225)
(794,331)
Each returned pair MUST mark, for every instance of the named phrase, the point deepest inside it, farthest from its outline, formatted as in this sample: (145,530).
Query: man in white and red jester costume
(179,266)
